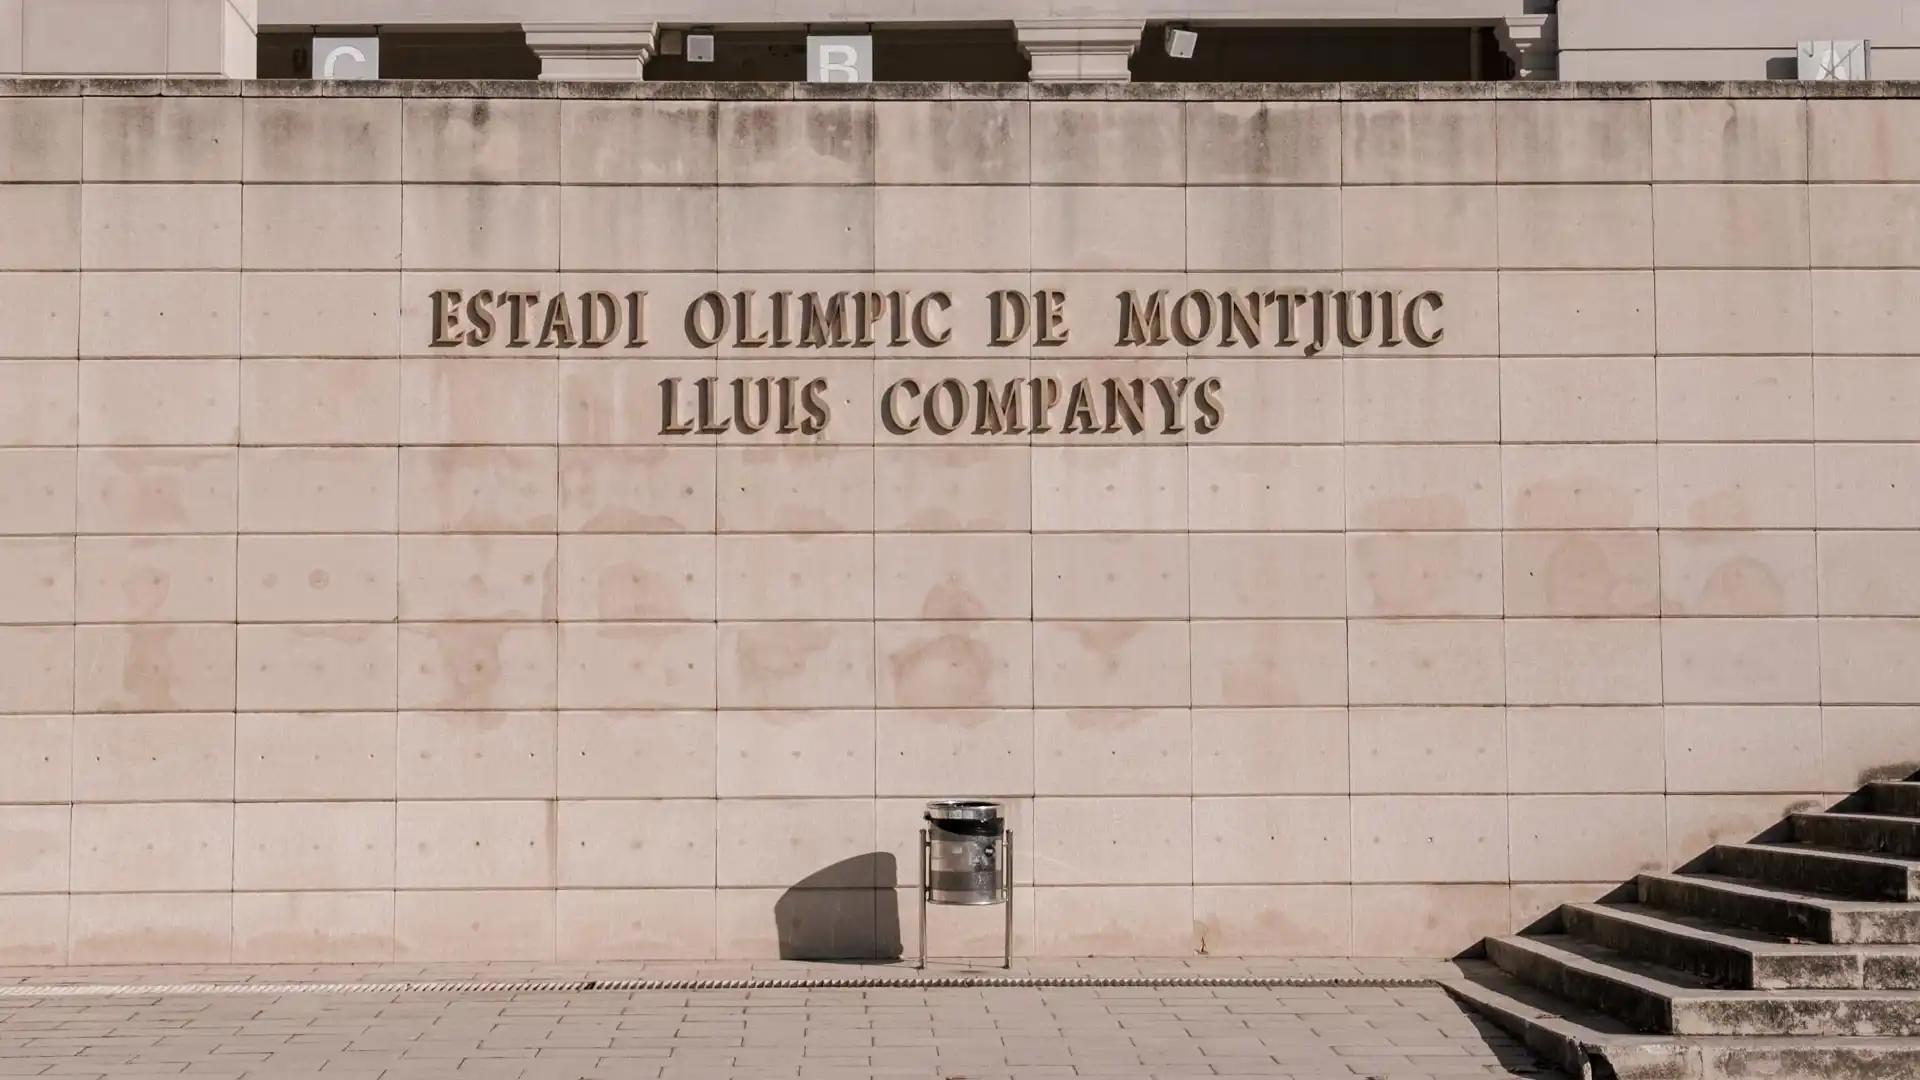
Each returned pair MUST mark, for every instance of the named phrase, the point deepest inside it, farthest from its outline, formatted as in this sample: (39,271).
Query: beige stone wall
(322,643)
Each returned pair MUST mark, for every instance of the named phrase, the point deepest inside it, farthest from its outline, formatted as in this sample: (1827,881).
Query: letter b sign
(843,58)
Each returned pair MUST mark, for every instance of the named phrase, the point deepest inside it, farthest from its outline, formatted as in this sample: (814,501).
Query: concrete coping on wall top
(936,91)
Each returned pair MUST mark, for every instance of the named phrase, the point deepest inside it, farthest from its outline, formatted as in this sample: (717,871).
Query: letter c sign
(346,58)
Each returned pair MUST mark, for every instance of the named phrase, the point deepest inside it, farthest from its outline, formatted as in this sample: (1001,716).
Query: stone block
(312,927)
(1854,398)
(1414,227)
(1743,748)
(1860,141)
(1266,663)
(1867,573)
(313,845)
(1740,661)
(797,228)
(1109,575)
(160,227)
(1619,749)
(1595,486)
(1423,487)
(796,489)
(480,140)
(1429,838)
(159,402)
(1721,398)
(1263,228)
(637,755)
(1261,488)
(1406,142)
(1112,752)
(1413,574)
(1869,661)
(43,225)
(1575,226)
(597,137)
(954,664)
(320,226)
(950,142)
(39,403)
(1577,399)
(795,753)
(1578,313)
(477,665)
(634,924)
(982,750)
(1736,572)
(473,924)
(796,142)
(773,576)
(1421,400)
(637,577)
(1551,142)
(1695,823)
(150,928)
(1102,489)
(162,139)
(307,315)
(478,577)
(290,756)
(1120,920)
(40,768)
(154,578)
(1262,142)
(1587,837)
(1264,841)
(35,840)
(478,489)
(482,227)
(476,755)
(322,489)
(36,580)
(40,139)
(954,488)
(1727,225)
(317,666)
(636,843)
(154,668)
(1867,486)
(637,489)
(49,315)
(831,844)
(38,665)
(953,576)
(797,665)
(317,578)
(1862,311)
(37,491)
(1736,485)
(821,923)
(313,140)
(1734,311)
(136,847)
(1583,661)
(1269,751)
(604,228)
(179,315)
(1865,225)
(1107,142)
(452,845)
(1722,140)
(1267,575)
(1112,841)
(1289,401)
(1862,744)
(1113,664)
(926,227)
(37,929)
(332,402)
(1429,751)
(1073,230)
(1426,662)
(619,401)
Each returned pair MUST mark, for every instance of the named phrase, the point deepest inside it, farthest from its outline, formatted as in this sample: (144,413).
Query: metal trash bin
(966,859)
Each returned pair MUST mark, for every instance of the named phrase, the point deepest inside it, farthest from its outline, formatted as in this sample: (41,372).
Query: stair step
(1849,874)
(1901,798)
(1878,834)
(1661,1001)
(1721,956)
(1789,913)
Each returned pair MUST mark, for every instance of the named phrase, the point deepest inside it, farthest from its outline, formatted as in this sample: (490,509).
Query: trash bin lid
(963,810)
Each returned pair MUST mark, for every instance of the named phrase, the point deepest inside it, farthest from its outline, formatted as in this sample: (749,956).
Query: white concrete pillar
(605,52)
(1078,50)
(187,39)
(1532,43)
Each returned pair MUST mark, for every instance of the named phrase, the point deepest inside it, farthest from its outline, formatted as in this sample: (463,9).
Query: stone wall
(323,641)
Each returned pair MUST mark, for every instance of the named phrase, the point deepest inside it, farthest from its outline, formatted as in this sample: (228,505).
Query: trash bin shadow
(846,911)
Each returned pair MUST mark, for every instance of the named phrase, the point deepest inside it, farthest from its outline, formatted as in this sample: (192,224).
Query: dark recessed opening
(952,54)
(1324,54)
(413,54)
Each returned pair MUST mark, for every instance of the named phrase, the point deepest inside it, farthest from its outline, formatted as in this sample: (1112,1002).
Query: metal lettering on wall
(1311,321)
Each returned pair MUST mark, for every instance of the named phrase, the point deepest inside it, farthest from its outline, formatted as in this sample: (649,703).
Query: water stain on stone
(780,655)
(1744,585)
(951,599)
(1574,500)
(1415,512)
(146,674)
(951,666)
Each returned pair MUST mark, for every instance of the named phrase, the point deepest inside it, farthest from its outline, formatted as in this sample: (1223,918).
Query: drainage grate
(589,986)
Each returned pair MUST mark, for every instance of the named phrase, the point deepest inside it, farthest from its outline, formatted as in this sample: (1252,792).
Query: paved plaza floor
(209,1022)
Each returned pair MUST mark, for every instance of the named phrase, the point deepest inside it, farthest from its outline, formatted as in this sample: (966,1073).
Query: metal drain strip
(585,986)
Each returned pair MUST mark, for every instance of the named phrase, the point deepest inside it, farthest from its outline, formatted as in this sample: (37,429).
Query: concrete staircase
(1796,957)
